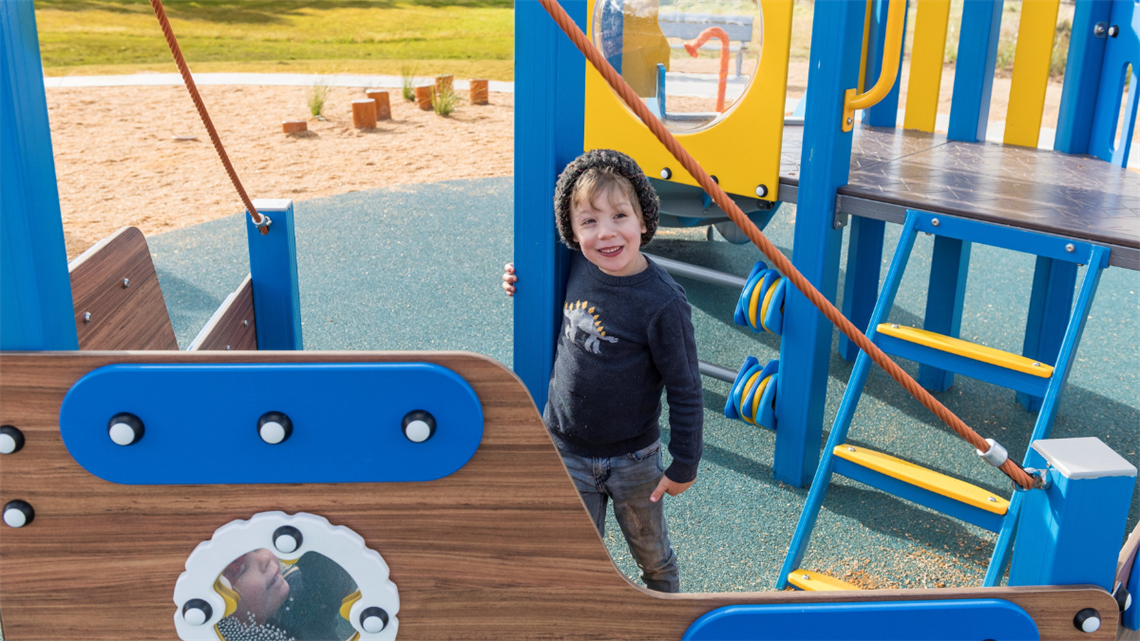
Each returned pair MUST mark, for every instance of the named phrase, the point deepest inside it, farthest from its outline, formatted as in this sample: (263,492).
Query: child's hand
(509,279)
(673,488)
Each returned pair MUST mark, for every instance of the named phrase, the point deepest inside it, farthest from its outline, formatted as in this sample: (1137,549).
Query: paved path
(268,79)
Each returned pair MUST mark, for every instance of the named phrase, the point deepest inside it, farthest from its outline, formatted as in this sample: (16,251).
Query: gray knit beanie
(624,166)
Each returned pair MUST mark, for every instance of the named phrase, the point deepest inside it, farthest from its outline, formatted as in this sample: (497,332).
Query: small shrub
(1061,49)
(408,80)
(318,95)
(445,100)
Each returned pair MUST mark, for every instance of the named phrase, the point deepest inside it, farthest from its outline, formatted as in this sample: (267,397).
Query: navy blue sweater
(624,339)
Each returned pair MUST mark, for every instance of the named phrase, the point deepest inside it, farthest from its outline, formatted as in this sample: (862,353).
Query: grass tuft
(408,81)
(445,101)
(318,95)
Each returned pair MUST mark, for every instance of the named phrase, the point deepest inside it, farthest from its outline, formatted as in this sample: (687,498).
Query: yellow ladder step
(966,349)
(922,477)
(816,582)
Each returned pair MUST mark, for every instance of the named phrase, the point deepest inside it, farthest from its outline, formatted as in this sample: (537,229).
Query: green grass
(467,38)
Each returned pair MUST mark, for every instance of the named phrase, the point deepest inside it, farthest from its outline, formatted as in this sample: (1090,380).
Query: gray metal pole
(716,371)
(703,274)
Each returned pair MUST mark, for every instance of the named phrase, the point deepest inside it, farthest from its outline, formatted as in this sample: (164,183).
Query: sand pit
(119,161)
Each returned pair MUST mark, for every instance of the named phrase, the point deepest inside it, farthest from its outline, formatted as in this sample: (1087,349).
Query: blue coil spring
(753,395)
(761,303)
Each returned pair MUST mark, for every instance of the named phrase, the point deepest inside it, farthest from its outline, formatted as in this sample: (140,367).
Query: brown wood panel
(232,326)
(502,549)
(131,316)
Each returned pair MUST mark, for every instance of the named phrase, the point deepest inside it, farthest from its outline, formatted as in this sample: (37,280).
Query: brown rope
(1010,467)
(262,222)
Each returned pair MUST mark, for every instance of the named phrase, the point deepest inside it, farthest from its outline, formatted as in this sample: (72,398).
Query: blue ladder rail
(967,364)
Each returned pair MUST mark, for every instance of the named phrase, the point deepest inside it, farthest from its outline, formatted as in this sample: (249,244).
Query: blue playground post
(1121,55)
(805,347)
(1070,533)
(1082,77)
(36,309)
(273,268)
(974,70)
(1050,305)
(949,267)
(549,124)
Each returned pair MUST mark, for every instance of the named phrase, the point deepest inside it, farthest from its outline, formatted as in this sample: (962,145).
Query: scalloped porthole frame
(337,542)
(742,148)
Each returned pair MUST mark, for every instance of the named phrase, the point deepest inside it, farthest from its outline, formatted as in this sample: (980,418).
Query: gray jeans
(629,480)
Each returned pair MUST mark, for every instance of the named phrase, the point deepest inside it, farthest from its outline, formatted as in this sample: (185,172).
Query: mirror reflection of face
(256,577)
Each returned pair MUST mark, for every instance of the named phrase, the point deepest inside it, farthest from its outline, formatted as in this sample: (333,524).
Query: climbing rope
(261,221)
(1010,467)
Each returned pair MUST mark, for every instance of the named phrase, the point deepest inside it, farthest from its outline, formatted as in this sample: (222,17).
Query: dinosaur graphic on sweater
(581,318)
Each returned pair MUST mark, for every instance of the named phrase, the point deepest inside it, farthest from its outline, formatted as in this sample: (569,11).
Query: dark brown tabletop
(1074,196)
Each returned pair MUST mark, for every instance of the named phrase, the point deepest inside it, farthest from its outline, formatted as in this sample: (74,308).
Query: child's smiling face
(609,232)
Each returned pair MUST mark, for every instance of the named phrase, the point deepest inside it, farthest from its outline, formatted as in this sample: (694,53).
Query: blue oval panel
(200,423)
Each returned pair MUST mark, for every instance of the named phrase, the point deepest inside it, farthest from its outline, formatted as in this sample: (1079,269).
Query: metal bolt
(126,283)
(838,224)
(1099,29)
(935,222)
(807,577)
(1113,31)
(1070,248)
(993,500)
(894,326)
(245,323)
(227,346)
(1036,364)
(850,120)
(850,449)
(86,317)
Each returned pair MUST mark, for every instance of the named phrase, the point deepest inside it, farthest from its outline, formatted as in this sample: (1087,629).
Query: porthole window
(690,61)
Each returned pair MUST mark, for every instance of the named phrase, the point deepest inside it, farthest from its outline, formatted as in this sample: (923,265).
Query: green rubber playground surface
(417,268)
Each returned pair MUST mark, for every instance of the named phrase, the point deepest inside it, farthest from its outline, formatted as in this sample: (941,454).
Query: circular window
(690,61)
(278,577)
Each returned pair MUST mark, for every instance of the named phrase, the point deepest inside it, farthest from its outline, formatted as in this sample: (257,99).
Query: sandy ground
(118,163)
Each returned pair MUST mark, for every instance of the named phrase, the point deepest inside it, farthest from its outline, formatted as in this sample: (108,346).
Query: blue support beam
(1082,77)
(273,268)
(549,116)
(1120,69)
(885,112)
(974,70)
(950,264)
(861,284)
(36,309)
(826,157)
(1050,305)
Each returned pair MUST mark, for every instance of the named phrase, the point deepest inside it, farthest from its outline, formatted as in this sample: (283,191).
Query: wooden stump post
(383,107)
(442,83)
(294,126)
(424,97)
(364,114)
(479,93)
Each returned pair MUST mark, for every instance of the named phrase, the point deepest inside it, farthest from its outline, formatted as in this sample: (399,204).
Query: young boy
(626,333)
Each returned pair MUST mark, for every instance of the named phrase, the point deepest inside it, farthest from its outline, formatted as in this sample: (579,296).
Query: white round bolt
(373,620)
(761,190)
(125,429)
(11,439)
(274,427)
(1070,248)
(287,539)
(666,173)
(197,612)
(18,513)
(1087,620)
(418,426)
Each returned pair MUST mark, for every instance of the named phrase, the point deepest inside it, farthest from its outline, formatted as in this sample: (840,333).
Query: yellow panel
(643,46)
(1031,64)
(925,79)
(816,582)
(919,476)
(742,150)
(967,349)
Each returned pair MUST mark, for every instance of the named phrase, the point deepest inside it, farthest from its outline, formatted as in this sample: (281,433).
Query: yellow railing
(892,52)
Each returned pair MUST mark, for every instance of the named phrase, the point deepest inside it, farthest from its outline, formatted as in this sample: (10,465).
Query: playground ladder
(931,489)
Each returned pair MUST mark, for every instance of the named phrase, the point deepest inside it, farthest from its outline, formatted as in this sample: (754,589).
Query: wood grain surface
(131,316)
(232,327)
(502,549)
